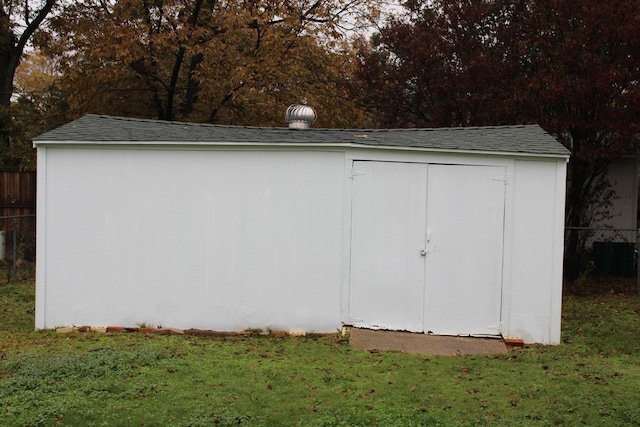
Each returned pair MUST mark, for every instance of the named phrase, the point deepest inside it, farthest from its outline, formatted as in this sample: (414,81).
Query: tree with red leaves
(571,66)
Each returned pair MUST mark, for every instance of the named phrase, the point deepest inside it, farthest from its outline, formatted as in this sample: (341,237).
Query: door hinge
(353,173)
(499,328)
(504,179)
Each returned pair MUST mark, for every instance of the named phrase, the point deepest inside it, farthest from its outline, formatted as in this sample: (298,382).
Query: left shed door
(388,233)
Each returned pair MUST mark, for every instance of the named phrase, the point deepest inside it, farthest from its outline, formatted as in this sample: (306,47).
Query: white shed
(453,231)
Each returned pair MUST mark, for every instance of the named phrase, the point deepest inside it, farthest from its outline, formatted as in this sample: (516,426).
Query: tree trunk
(11,48)
(574,261)
(588,198)
(193,86)
(8,64)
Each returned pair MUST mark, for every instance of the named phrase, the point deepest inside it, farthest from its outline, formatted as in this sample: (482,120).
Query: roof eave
(249,144)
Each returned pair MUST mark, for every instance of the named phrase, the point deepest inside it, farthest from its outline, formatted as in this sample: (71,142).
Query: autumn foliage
(19,22)
(571,66)
(231,62)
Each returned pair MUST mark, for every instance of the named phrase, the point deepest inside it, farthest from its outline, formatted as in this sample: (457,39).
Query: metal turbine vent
(300,116)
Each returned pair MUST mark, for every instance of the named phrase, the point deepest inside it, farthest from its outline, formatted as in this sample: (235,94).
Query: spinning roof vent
(300,116)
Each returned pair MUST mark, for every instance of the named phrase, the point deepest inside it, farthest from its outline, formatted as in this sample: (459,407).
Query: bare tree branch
(33,26)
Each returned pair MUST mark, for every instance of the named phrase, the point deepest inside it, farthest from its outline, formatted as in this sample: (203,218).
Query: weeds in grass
(593,378)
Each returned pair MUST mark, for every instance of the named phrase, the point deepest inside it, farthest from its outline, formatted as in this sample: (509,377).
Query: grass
(120,379)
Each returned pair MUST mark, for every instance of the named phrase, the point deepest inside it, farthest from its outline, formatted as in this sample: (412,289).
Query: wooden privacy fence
(17,218)
(17,192)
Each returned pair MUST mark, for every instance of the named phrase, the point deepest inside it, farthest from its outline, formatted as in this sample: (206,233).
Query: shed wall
(256,238)
(533,265)
(226,240)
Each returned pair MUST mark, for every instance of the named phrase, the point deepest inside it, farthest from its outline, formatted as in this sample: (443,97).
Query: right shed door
(465,234)
(440,228)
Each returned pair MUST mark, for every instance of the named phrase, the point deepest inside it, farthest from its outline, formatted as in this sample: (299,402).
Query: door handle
(423,252)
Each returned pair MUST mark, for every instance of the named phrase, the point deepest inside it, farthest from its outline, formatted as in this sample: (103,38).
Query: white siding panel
(210,239)
(536,258)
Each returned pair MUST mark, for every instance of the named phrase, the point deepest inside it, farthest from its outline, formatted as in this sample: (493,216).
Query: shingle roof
(525,139)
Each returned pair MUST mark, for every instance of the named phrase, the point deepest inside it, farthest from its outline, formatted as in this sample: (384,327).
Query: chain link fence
(599,253)
(17,248)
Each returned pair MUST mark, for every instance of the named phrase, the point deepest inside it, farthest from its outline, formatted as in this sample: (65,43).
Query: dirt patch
(366,339)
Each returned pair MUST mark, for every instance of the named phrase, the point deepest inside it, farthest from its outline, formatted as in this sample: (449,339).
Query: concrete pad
(437,345)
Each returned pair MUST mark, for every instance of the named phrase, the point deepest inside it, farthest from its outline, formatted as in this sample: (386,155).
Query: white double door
(427,247)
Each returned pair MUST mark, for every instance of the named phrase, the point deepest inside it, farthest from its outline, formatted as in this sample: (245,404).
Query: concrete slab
(437,345)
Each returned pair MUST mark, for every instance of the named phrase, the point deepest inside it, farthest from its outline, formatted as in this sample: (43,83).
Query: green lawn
(124,379)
